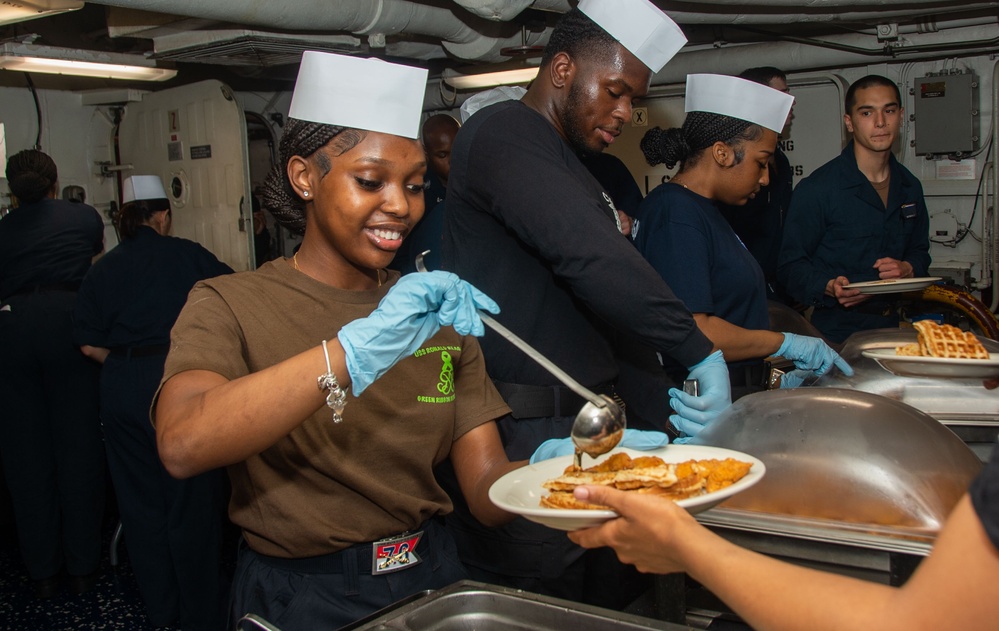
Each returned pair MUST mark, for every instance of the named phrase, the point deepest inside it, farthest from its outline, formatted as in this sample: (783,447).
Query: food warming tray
(468,605)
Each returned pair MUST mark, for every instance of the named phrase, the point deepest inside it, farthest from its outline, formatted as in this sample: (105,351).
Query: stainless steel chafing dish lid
(845,456)
(948,400)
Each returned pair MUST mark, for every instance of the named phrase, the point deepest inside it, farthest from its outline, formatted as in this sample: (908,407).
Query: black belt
(129,352)
(332,563)
(40,289)
(739,375)
(545,401)
(755,374)
(358,555)
(875,308)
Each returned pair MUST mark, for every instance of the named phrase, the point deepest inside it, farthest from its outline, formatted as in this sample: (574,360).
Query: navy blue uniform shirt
(838,226)
(135,292)
(50,242)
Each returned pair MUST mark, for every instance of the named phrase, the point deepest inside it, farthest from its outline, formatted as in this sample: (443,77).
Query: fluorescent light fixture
(489,79)
(81,63)
(20,10)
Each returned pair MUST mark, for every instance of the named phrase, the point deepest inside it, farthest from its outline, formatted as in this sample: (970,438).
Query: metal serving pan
(843,466)
(469,605)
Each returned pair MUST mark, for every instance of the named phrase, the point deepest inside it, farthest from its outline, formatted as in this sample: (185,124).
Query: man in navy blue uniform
(437,134)
(860,217)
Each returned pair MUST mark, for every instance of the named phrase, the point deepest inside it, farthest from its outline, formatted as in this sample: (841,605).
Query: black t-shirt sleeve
(985,497)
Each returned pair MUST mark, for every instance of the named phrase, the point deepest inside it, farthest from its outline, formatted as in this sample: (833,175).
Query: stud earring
(305,193)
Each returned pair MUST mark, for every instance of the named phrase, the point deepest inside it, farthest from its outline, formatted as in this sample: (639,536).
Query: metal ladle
(599,425)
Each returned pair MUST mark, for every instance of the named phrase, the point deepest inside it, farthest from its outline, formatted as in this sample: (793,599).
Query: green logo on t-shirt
(446,385)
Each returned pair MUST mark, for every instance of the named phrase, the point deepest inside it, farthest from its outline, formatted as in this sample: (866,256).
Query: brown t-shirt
(326,486)
(882,189)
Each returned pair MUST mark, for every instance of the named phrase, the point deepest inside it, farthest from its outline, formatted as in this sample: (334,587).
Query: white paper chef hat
(738,98)
(361,93)
(639,26)
(142,187)
(498,94)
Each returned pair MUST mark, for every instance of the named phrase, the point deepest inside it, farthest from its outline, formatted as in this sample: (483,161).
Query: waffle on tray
(943,340)
(646,474)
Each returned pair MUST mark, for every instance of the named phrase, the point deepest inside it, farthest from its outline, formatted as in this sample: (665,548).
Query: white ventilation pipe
(376,18)
(506,10)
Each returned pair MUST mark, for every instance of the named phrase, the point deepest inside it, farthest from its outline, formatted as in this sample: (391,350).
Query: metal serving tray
(468,605)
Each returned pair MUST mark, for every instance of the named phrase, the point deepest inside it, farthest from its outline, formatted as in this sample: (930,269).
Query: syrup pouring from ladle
(600,424)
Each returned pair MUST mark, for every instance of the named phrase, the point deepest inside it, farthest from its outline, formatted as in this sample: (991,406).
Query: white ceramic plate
(893,285)
(520,491)
(906,366)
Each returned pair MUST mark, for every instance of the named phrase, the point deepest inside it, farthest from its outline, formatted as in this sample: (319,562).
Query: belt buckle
(395,553)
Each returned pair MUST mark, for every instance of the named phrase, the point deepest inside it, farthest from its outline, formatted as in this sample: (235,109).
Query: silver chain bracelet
(336,398)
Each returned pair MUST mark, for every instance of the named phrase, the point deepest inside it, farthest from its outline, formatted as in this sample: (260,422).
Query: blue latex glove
(811,353)
(693,413)
(409,314)
(794,378)
(633,438)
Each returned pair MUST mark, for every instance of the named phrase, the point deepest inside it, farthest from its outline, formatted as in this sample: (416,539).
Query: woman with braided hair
(723,149)
(50,435)
(334,490)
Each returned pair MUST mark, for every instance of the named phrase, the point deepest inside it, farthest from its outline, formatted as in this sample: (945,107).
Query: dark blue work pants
(50,436)
(343,590)
(172,527)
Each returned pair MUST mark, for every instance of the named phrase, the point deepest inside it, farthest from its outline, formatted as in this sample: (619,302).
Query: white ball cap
(639,26)
(738,98)
(368,94)
(142,187)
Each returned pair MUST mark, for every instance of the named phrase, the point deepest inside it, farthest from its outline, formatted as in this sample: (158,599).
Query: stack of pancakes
(647,474)
(943,340)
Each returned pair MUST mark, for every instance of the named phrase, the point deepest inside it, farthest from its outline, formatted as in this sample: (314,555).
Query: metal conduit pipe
(990,248)
(933,25)
(822,4)
(724,17)
(793,56)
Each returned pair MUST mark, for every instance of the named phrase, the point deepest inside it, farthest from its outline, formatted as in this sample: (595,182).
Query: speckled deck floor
(113,605)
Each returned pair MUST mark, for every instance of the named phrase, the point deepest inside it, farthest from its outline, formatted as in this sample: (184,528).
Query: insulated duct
(476,39)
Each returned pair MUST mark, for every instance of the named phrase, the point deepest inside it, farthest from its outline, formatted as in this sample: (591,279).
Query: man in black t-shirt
(528,224)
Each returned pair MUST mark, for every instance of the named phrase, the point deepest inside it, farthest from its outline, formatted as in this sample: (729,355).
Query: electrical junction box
(946,114)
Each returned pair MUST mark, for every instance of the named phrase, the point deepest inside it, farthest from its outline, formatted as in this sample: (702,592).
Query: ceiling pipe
(823,4)
(478,39)
(506,10)
(727,17)
(797,56)
(932,25)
